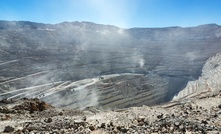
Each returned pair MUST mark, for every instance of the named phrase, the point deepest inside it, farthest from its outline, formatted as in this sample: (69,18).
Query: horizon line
(171,26)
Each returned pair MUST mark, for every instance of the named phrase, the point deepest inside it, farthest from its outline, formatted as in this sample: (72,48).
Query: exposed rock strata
(38,59)
(208,83)
(109,91)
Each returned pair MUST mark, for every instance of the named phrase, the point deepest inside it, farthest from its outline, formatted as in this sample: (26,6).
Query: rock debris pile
(35,116)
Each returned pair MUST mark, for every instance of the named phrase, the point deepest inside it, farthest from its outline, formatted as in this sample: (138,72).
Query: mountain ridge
(92,23)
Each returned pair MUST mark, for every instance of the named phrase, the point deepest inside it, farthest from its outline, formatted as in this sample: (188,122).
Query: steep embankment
(208,83)
(46,61)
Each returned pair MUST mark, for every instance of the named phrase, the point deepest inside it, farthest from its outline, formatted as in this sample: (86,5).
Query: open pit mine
(83,64)
(87,78)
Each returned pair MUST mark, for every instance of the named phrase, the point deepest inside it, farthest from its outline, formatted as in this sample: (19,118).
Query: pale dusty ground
(192,116)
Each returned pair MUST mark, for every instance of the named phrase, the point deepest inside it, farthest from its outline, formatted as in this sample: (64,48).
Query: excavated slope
(109,91)
(209,82)
(67,64)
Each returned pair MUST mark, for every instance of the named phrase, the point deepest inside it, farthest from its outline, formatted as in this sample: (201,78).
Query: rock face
(209,82)
(69,63)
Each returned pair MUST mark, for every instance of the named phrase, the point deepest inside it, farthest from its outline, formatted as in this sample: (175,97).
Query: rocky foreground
(201,115)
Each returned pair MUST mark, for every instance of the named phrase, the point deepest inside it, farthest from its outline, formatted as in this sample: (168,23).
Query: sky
(121,13)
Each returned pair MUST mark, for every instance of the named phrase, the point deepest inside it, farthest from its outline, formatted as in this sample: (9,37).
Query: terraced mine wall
(81,64)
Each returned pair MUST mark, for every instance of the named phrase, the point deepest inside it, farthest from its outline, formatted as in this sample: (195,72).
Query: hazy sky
(122,13)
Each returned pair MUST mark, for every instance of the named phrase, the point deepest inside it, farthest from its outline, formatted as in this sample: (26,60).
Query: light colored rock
(209,82)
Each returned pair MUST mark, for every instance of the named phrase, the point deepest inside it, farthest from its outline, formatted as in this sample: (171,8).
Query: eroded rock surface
(207,84)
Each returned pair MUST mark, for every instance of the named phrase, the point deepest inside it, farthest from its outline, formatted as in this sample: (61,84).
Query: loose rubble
(35,116)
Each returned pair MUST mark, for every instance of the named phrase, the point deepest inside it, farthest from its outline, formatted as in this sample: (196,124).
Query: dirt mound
(33,105)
